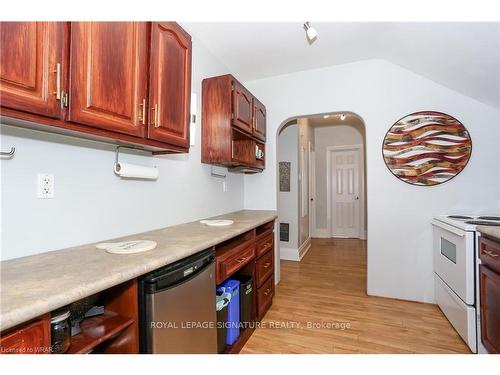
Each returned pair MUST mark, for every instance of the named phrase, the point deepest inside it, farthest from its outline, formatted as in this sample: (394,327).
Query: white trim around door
(361,173)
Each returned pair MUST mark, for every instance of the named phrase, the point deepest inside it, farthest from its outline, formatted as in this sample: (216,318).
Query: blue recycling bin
(233,313)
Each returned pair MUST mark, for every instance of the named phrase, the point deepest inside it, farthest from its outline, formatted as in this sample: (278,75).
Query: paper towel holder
(117,152)
(117,166)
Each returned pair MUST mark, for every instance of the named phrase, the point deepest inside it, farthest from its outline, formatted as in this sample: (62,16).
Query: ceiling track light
(342,116)
(311,33)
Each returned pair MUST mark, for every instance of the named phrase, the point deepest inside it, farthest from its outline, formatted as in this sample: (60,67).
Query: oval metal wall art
(427,148)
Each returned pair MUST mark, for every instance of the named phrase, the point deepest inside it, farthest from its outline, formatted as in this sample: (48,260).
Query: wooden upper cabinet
(170,84)
(109,70)
(233,126)
(32,66)
(259,120)
(242,108)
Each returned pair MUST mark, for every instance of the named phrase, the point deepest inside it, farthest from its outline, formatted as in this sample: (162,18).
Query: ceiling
(335,119)
(462,56)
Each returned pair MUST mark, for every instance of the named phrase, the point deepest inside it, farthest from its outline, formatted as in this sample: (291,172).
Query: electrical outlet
(45,186)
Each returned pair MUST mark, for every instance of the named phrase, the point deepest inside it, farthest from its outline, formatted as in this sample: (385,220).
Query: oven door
(454,259)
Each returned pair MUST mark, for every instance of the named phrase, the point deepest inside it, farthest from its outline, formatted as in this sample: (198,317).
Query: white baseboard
(324,233)
(288,253)
(321,233)
(304,248)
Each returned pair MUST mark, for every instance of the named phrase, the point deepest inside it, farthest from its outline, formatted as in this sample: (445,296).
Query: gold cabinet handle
(491,253)
(267,291)
(156,116)
(154,109)
(266,266)
(58,81)
(142,118)
(241,260)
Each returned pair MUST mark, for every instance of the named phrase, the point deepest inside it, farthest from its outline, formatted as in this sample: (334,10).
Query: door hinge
(232,116)
(232,87)
(64,99)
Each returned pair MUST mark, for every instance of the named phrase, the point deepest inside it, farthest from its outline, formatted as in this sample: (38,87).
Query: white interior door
(345,193)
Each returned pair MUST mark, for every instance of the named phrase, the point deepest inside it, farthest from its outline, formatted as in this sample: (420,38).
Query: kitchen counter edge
(16,306)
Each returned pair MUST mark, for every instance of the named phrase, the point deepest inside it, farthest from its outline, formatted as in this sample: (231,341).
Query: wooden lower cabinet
(265,296)
(264,268)
(31,338)
(490,308)
(115,332)
(249,254)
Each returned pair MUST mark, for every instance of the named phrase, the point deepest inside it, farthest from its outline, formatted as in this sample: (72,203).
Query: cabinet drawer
(229,265)
(265,297)
(264,268)
(490,253)
(33,338)
(265,244)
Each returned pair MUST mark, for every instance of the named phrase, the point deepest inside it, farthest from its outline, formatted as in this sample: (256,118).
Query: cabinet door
(490,309)
(170,84)
(109,75)
(259,120)
(33,338)
(242,108)
(32,66)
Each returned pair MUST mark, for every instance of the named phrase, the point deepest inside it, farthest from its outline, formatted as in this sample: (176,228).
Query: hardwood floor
(329,286)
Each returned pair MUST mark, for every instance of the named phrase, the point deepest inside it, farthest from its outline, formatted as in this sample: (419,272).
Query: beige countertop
(490,231)
(34,285)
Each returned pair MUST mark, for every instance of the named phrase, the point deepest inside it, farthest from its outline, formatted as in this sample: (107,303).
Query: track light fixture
(311,32)
(342,116)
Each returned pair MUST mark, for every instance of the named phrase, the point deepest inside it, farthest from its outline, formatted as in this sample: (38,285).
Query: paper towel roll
(136,171)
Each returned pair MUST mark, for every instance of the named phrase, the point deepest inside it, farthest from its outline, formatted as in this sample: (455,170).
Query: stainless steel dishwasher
(177,307)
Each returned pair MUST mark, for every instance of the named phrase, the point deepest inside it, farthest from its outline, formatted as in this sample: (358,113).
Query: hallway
(327,288)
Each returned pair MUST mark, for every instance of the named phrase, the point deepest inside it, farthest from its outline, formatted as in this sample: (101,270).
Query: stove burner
(460,217)
(495,218)
(483,222)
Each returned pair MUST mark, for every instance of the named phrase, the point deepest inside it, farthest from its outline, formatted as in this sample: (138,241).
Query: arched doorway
(314,155)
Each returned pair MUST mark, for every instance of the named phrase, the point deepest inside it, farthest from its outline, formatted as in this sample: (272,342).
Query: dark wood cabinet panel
(32,338)
(264,268)
(33,66)
(489,252)
(108,87)
(265,243)
(170,83)
(265,297)
(216,139)
(242,108)
(233,126)
(259,120)
(490,309)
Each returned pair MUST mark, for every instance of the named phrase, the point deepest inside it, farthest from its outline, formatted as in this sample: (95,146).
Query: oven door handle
(449,228)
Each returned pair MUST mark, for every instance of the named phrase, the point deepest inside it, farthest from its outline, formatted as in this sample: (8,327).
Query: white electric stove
(456,268)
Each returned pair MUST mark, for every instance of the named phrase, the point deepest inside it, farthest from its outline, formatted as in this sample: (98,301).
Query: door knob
(357,198)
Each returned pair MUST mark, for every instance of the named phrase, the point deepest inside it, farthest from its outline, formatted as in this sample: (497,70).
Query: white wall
(91,203)
(289,201)
(399,232)
(327,136)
